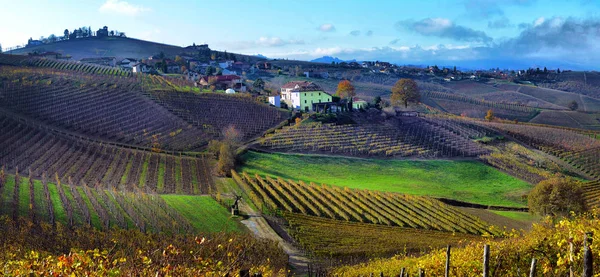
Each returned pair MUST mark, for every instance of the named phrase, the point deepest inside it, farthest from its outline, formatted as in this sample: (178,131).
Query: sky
(466,33)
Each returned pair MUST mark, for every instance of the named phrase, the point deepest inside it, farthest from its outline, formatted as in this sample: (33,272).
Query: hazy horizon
(466,33)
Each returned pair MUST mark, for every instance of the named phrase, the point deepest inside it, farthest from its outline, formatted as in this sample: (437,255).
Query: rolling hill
(119,47)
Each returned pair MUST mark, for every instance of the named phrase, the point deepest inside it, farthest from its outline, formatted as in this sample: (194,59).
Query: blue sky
(469,33)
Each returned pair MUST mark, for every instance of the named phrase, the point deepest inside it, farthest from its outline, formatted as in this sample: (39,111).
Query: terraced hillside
(365,206)
(577,147)
(41,149)
(591,191)
(214,112)
(96,108)
(400,137)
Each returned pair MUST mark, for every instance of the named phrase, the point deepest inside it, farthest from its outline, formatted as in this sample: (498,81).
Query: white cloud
(327,51)
(539,21)
(327,28)
(433,25)
(122,7)
(277,41)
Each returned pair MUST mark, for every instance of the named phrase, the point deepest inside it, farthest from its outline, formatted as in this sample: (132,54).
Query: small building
(229,72)
(302,95)
(358,103)
(173,68)
(102,32)
(141,68)
(222,82)
(275,101)
(225,64)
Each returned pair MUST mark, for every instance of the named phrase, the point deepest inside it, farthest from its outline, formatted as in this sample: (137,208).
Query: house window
(305,94)
(319,100)
(304,101)
(319,94)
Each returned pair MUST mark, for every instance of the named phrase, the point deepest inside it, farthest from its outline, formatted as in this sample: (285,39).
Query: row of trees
(403,92)
(81,32)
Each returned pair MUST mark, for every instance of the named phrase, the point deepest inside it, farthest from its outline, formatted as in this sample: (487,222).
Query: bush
(557,197)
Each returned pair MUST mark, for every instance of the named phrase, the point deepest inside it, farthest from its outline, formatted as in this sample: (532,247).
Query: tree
(489,116)
(556,197)
(232,136)
(179,60)
(226,160)
(212,82)
(259,84)
(52,38)
(405,91)
(66,34)
(209,70)
(0,48)
(573,105)
(545,70)
(558,70)
(345,90)
(377,102)
(219,72)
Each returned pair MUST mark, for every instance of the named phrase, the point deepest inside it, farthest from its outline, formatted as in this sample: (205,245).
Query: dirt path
(259,226)
(582,102)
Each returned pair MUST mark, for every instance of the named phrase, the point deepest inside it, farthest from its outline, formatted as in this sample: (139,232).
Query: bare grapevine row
(88,206)
(365,206)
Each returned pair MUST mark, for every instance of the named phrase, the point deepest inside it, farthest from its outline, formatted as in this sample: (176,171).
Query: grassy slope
(519,216)
(469,181)
(204,213)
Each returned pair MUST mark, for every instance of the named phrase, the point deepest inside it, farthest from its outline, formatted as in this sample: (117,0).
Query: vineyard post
(486,260)
(244,273)
(588,263)
(532,269)
(447,272)
(380,274)
(571,254)
(421,272)
(402,272)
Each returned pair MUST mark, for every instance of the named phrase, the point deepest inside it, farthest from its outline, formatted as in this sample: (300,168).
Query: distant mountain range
(329,59)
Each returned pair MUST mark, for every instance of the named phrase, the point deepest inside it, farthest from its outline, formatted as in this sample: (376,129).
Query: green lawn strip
(77,213)
(24,197)
(178,184)
(60,213)
(96,222)
(204,213)
(123,182)
(161,175)
(7,195)
(470,181)
(519,216)
(40,201)
(144,173)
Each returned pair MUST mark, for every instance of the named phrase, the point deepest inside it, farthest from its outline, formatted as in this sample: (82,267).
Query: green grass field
(469,181)
(204,213)
(519,216)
